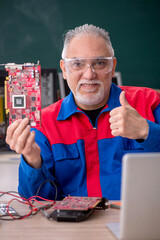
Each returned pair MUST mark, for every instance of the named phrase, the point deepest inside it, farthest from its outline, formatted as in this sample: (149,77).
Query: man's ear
(114,66)
(62,66)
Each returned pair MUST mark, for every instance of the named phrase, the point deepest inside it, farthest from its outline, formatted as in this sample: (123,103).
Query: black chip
(33,98)
(19,101)
(13,116)
(33,109)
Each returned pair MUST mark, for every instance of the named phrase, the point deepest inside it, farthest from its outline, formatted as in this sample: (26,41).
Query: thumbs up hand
(125,121)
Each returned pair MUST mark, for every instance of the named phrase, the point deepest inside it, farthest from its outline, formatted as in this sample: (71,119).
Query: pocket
(63,151)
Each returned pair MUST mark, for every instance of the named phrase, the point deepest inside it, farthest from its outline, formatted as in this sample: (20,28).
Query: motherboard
(23,92)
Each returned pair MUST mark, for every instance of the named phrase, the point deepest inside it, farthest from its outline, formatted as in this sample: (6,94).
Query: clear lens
(80,65)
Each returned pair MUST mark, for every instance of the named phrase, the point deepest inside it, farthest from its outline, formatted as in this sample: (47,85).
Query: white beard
(90,98)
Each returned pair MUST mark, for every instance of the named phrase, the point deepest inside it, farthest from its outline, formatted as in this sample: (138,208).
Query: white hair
(89,30)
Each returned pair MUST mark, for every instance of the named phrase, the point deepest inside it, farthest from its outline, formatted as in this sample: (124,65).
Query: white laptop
(140,195)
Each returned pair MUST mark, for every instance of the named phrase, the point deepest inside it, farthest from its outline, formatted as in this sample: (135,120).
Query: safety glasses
(80,65)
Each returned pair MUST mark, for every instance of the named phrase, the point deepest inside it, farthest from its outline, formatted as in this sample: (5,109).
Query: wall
(32,30)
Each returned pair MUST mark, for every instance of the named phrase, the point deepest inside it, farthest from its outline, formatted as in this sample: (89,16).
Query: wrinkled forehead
(88,47)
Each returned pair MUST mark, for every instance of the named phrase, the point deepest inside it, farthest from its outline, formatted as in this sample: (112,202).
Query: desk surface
(38,227)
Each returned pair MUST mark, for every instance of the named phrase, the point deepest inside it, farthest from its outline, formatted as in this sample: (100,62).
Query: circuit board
(76,209)
(23,92)
(78,203)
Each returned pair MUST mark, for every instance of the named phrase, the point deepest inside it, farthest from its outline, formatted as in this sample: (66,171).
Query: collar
(113,100)
(69,107)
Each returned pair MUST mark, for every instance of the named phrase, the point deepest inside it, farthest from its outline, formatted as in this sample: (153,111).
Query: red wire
(34,198)
(25,201)
(11,194)
(14,199)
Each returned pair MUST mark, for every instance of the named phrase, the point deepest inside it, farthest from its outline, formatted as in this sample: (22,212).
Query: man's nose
(89,72)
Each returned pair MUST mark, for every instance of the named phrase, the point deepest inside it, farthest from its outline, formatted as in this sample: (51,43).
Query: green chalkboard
(32,30)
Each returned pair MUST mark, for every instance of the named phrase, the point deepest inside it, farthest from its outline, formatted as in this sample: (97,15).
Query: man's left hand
(127,122)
